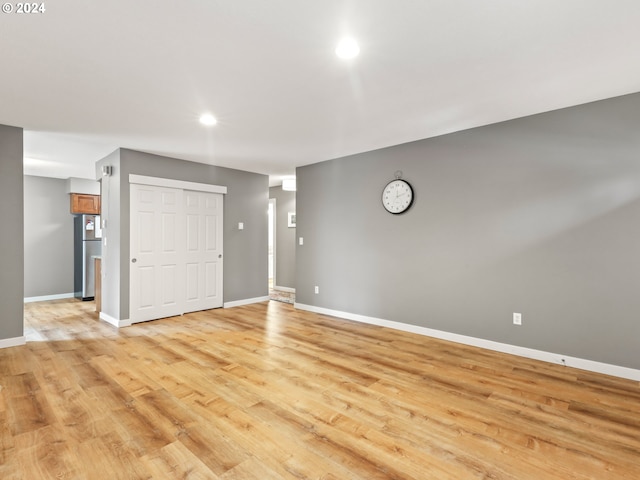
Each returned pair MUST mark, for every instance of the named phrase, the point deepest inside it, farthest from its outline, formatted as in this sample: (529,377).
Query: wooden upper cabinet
(83,203)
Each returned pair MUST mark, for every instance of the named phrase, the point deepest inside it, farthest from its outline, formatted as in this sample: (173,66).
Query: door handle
(134,260)
(220,256)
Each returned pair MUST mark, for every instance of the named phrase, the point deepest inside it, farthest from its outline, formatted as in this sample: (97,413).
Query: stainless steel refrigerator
(87,246)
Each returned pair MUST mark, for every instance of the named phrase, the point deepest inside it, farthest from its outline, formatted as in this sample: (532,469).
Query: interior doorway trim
(171,183)
(272,240)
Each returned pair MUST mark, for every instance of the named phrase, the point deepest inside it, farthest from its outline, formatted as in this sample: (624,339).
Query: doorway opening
(281,255)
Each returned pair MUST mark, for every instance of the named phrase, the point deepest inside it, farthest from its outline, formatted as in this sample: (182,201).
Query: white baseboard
(128,322)
(246,301)
(581,363)
(44,298)
(113,321)
(12,342)
(285,289)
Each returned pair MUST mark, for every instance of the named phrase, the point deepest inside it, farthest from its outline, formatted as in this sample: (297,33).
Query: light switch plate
(517,318)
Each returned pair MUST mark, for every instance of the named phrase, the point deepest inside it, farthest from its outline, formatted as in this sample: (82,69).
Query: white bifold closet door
(176,252)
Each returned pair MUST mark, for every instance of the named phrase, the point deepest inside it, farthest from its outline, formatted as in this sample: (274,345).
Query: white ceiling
(84,77)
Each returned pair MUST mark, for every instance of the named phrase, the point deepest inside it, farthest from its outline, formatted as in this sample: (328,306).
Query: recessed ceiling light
(208,119)
(347,48)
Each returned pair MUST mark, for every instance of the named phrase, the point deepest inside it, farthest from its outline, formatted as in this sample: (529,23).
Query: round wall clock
(397,196)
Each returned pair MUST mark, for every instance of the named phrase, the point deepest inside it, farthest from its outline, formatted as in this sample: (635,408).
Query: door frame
(272,227)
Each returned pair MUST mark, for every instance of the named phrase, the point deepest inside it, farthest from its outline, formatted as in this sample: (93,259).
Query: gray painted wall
(11,234)
(110,210)
(48,237)
(539,215)
(285,238)
(247,201)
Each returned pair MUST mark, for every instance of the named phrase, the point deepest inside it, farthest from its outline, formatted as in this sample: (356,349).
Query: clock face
(397,196)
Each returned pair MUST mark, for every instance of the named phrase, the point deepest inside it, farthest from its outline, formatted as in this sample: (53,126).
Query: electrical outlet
(317,289)
(517,318)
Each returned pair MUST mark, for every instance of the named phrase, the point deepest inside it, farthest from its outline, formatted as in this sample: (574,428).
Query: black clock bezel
(410,203)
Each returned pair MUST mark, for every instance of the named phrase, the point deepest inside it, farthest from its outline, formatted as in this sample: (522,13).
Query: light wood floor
(268,392)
